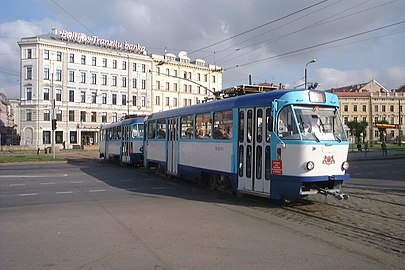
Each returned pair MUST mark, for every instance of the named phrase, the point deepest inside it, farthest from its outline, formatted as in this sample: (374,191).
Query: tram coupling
(337,194)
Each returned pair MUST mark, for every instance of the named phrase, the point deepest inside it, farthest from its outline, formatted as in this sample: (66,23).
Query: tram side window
(140,130)
(269,120)
(187,127)
(151,129)
(137,131)
(203,126)
(223,123)
(287,128)
(161,128)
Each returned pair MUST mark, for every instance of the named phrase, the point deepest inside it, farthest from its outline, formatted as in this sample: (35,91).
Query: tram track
(375,224)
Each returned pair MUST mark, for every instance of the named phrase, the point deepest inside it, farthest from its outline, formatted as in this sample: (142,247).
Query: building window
(114,64)
(114,117)
(133,66)
(83,96)
(114,81)
(391,108)
(71,95)
(83,77)
(93,97)
(175,87)
(46,73)
(71,116)
(133,100)
(124,81)
(29,116)
(104,62)
(167,101)
(58,94)
(375,108)
(83,116)
(104,79)
(198,77)
(124,99)
(29,93)
(167,86)
(104,117)
(205,77)
(134,83)
(93,117)
(355,108)
(46,54)
(104,98)
(174,102)
(59,116)
(73,137)
(71,76)
(158,85)
(29,53)
(124,65)
(93,61)
(83,60)
(47,115)
(157,100)
(59,75)
(114,99)
(346,108)
(143,84)
(28,73)
(383,108)
(46,93)
(59,56)
(364,108)
(71,58)
(93,78)
(143,68)
(46,137)
(143,101)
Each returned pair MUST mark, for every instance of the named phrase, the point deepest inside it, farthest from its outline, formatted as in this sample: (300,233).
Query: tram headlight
(345,166)
(310,165)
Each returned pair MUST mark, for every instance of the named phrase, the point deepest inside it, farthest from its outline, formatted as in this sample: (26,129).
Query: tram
(123,141)
(281,144)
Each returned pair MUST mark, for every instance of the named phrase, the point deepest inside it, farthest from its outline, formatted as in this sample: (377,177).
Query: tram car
(123,141)
(281,144)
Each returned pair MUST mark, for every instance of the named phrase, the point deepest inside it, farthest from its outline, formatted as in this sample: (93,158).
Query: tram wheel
(213,182)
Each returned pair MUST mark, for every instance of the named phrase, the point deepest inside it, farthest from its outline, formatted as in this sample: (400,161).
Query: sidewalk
(374,155)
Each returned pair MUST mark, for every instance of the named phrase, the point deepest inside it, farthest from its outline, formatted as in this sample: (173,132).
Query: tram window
(223,123)
(241,126)
(240,168)
(267,163)
(161,128)
(269,124)
(140,130)
(119,133)
(259,162)
(249,161)
(259,122)
(249,125)
(187,127)
(203,126)
(287,128)
(151,129)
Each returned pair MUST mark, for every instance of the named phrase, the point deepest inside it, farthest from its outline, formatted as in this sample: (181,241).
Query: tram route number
(276,167)
(219,148)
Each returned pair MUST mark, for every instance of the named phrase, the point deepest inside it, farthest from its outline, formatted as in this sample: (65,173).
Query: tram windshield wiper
(338,138)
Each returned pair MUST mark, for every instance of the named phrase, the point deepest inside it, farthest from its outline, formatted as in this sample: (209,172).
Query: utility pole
(53,119)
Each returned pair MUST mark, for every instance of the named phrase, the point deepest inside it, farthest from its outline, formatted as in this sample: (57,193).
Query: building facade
(372,103)
(85,82)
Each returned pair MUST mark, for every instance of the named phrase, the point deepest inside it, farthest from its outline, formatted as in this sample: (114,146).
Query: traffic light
(54,124)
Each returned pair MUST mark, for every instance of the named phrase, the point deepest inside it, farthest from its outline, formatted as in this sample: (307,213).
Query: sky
(353,41)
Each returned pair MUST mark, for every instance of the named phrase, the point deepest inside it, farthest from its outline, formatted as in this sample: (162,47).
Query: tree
(358,130)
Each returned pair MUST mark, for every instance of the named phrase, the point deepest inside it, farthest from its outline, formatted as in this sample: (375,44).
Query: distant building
(8,126)
(85,82)
(372,102)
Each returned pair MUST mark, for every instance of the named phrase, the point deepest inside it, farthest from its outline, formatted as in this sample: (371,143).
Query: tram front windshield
(313,123)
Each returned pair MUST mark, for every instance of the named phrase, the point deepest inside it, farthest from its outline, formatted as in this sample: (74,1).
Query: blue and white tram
(280,144)
(123,141)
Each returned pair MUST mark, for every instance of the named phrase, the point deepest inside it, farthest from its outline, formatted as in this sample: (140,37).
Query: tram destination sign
(82,38)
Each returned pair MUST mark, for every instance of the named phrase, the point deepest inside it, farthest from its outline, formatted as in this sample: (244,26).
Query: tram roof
(129,121)
(250,100)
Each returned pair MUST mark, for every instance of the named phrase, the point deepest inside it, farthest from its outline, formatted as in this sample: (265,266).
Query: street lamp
(310,62)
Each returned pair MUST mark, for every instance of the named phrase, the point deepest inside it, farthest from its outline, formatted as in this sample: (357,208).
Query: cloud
(395,76)
(333,78)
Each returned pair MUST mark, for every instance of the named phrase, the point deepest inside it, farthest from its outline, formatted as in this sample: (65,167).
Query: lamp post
(305,77)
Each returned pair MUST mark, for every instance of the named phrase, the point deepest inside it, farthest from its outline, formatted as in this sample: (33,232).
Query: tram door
(254,150)
(126,144)
(172,146)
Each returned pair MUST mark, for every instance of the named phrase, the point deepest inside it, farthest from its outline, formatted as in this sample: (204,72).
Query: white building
(86,81)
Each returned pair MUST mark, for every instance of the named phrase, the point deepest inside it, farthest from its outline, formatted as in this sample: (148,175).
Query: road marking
(33,176)
(16,185)
(126,180)
(64,192)
(97,190)
(76,182)
(47,183)
(28,194)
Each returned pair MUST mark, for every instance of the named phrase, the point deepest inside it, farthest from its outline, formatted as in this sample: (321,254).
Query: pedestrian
(366,146)
(384,149)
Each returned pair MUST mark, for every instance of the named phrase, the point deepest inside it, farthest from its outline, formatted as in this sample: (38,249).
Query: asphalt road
(87,214)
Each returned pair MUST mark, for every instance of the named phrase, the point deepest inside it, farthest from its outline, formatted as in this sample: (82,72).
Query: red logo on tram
(328,160)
